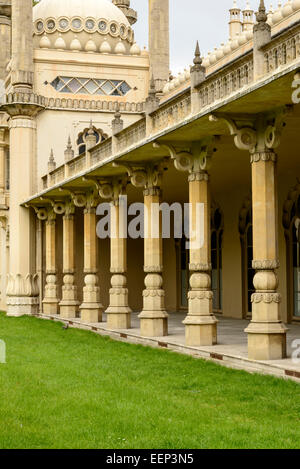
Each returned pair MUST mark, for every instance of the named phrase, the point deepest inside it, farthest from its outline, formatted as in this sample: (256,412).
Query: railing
(172,113)
(103,151)
(283,50)
(280,52)
(131,135)
(226,82)
(57,176)
(76,166)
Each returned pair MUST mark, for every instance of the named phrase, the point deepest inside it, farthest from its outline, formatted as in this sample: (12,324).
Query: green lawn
(74,389)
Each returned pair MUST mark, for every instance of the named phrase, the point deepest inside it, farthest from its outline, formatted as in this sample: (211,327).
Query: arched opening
(246,236)
(216,260)
(291,223)
(216,257)
(81,140)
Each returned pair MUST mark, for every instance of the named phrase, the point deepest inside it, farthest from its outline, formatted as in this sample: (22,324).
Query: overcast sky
(206,20)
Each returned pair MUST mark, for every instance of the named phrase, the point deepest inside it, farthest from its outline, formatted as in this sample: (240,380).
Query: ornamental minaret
(248,18)
(235,24)
(5,35)
(124,5)
(22,45)
(159,41)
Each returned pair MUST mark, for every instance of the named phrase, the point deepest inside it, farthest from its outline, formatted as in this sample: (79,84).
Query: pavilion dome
(58,24)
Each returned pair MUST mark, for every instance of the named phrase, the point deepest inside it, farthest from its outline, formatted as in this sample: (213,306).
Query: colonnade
(266,332)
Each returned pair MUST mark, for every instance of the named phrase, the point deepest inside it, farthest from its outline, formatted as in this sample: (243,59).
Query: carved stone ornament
(255,133)
(265,265)
(144,175)
(196,160)
(267,298)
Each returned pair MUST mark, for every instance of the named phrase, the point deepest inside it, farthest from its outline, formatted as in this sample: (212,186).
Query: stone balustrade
(283,49)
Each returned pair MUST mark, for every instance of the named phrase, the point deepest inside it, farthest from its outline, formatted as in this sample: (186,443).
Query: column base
(200,331)
(68,309)
(50,307)
(91,312)
(266,341)
(118,318)
(152,325)
(22,305)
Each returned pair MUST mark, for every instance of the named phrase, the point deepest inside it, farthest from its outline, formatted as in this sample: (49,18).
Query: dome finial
(69,152)
(51,162)
(152,90)
(197,59)
(261,16)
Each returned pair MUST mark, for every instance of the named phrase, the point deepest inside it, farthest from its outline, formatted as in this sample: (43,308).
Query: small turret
(261,37)
(51,162)
(69,152)
(235,24)
(91,138)
(117,123)
(248,18)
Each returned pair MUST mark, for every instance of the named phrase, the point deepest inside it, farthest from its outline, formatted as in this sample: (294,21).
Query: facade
(87,116)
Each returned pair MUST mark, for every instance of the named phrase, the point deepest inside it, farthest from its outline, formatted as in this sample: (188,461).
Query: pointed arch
(291,224)
(81,139)
(246,238)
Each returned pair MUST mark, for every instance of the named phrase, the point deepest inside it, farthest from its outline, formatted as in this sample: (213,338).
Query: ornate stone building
(87,116)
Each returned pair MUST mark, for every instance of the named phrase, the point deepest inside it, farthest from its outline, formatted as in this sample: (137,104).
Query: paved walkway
(231,350)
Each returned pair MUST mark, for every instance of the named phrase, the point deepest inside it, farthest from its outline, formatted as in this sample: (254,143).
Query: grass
(75,389)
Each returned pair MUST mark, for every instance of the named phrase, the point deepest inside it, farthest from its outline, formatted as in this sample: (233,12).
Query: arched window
(291,223)
(246,235)
(81,140)
(216,257)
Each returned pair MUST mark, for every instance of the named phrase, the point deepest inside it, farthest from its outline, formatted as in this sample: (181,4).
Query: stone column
(5,34)
(266,332)
(22,288)
(50,301)
(200,323)
(154,318)
(159,47)
(91,308)
(69,304)
(118,312)
(3,150)
(22,45)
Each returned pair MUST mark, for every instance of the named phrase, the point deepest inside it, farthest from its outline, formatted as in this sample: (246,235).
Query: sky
(191,20)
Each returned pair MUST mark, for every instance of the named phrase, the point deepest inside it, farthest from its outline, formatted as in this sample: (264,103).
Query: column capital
(87,201)
(196,159)
(145,175)
(69,210)
(22,105)
(259,134)
(112,188)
